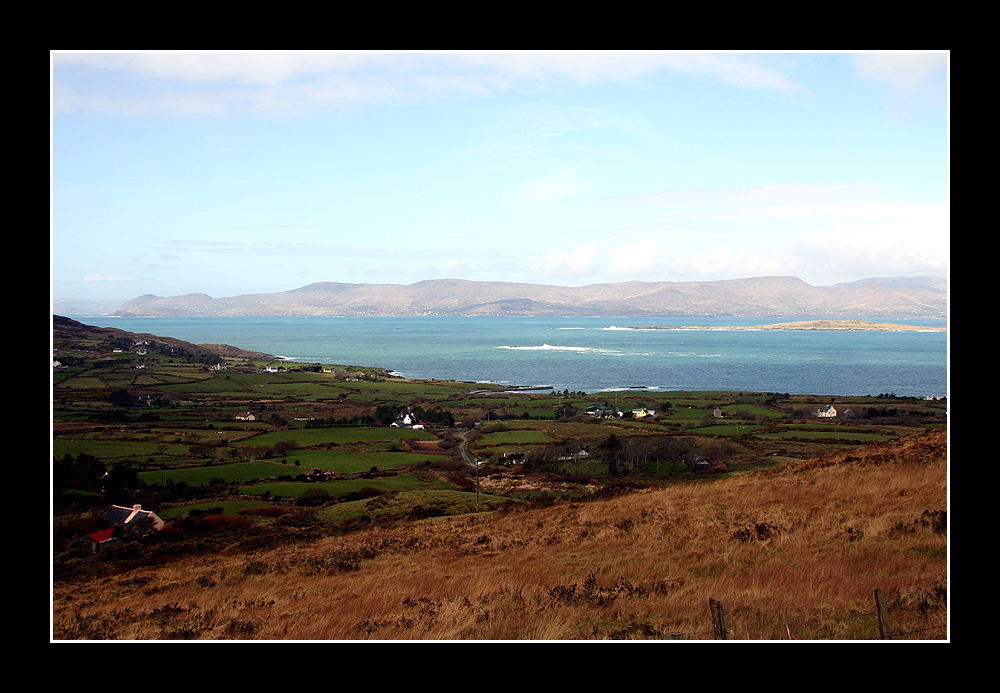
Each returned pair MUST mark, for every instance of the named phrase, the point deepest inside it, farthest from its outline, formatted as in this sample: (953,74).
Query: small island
(857,325)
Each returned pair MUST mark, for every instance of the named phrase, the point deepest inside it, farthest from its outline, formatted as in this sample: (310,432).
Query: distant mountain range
(759,296)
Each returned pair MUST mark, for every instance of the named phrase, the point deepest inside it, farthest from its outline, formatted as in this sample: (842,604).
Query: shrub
(312,496)
(265,511)
(228,523)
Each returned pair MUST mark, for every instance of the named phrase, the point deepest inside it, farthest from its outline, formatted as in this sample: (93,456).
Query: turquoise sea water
(591,354)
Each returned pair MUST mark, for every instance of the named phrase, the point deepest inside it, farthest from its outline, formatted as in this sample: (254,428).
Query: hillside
(794,552)
(759,296)
(69,334)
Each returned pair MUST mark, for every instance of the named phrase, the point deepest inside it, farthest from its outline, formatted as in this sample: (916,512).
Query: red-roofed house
(95,541)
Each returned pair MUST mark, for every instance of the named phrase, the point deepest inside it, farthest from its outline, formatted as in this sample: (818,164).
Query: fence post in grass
(718,619)
(883,615)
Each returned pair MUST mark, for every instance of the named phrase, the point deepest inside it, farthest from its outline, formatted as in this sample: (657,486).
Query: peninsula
(856,325)
(788,297)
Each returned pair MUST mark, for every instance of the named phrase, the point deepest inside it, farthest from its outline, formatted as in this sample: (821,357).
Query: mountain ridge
(754,296)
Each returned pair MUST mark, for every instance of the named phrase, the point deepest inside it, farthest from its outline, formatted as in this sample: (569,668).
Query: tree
(120,398)
(313,496)
(119,483)
(283,446)
(385,414)
(84,472)
(612,453)
(565,410)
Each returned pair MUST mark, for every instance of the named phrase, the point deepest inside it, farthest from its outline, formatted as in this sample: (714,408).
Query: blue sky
(233,173)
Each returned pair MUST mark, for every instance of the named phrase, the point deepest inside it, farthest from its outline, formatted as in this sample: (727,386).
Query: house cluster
(604,412)
(581,454)
(830,412)
(407,421)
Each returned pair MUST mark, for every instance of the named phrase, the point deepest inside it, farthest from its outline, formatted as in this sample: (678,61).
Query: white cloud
(639,259)
(107,278)
(735,262)
(590,67)
(215,84)
(581,261)
(921,213)
(785,193)
(454,268)
(910,243)
(916,80)
(906,71)
(644,259)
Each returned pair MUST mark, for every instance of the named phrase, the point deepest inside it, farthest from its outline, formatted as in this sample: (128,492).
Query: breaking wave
(546,347)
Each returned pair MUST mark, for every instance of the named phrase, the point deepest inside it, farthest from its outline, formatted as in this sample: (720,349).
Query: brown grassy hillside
(794,552)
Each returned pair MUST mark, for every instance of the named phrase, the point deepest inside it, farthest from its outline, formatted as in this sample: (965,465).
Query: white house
(135,521)
(828,413)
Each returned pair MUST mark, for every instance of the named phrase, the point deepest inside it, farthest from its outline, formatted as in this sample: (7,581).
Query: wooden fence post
(883,615)
(718,619)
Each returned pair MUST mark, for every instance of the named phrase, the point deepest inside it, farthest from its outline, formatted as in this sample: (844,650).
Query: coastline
(823,325)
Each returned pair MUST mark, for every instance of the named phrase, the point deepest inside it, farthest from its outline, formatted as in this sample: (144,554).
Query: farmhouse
(135,521)
(245,416)
(697,463)
(95,541)
(828,413)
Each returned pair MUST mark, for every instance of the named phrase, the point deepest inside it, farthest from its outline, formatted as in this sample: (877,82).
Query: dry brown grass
(791,553)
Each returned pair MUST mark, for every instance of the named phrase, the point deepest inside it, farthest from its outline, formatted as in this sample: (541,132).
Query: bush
(312,497)
(461,481)
(228,523)
(266,511)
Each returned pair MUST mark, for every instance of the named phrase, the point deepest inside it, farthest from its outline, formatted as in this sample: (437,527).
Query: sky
(232,173)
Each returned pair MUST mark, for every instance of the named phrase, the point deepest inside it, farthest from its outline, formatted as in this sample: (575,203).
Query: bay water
(590,354)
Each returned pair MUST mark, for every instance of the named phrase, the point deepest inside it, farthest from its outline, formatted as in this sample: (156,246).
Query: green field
(190,440)
(521,437)
(726,429)
(233,473)
(229,507)
(338,435)
(341,487)
(356,460)
(115,449)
